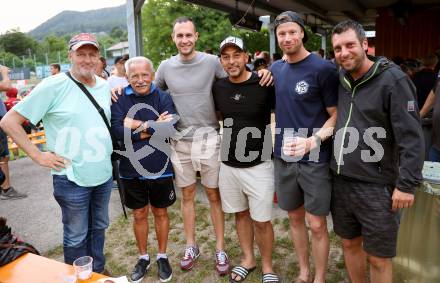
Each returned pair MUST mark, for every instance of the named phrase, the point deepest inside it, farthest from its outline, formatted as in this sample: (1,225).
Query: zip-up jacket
(381,110)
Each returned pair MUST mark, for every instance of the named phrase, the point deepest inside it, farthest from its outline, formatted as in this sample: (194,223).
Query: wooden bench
(36,138)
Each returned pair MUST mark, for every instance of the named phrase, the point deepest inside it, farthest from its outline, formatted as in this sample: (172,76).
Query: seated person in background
(259,64)
(264,55)
(12,99)
(425,79)
(118,79)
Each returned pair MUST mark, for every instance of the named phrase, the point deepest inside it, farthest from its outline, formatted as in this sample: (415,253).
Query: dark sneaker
(12,194)
(164,270)
(221,263)
(189,258)
(139,270)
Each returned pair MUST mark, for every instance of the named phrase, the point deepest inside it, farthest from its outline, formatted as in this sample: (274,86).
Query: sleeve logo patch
(411,106)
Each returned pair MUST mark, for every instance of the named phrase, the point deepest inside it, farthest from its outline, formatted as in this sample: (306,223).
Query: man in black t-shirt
(246,174)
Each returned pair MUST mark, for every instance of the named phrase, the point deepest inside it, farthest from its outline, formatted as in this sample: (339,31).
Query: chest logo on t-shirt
(237,97)
(301,87)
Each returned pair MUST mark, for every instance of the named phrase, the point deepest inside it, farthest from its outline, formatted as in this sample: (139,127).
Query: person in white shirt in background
(118,79)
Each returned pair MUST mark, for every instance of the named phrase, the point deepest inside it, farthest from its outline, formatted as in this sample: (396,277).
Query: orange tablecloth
(38,269)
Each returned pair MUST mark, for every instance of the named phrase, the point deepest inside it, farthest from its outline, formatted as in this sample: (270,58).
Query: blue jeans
(434,154)
(85,218)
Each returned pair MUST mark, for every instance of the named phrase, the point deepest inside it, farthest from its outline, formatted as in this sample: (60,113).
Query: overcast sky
(28,14)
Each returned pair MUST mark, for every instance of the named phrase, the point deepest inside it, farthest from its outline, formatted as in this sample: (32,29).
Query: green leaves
(17,42)
(213,26)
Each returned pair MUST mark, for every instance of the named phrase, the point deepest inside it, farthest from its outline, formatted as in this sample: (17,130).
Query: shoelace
(221,257)
(189,253)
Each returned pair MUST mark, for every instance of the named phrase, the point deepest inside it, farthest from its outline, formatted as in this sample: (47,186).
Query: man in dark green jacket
(378,154)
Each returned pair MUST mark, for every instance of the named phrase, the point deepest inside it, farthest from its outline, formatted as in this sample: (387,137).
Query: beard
(293,50)
(235,73)
(86,73)
(354,65)
(187,50)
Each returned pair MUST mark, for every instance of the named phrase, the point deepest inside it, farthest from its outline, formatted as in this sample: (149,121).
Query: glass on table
(83,267)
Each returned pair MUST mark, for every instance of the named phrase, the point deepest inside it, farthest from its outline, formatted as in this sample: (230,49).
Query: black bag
(116,145)
(10,246)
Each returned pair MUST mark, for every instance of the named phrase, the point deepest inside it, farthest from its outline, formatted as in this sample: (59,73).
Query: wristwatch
(318,139)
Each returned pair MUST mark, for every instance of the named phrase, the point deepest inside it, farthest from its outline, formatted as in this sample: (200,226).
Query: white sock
(159,256)
(145,256)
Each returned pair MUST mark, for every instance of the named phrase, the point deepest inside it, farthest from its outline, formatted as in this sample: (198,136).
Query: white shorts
(248,188)
(188,157)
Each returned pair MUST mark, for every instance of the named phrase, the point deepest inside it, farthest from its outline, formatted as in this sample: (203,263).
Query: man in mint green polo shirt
(78,148)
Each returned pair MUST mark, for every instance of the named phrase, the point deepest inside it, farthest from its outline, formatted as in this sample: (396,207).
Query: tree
(254,41)
(118,34)
(8,59)
(54,43)
(17,43)
(157,20)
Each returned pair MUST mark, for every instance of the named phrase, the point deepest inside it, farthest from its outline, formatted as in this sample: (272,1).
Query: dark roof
(318,12)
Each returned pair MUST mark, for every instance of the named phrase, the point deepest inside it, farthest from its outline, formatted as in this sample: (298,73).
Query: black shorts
(303,183)
(157,192)
(4,150)
(364,209)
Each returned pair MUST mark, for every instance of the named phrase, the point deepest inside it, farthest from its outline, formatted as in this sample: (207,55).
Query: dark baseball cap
(121,58)
(290,17)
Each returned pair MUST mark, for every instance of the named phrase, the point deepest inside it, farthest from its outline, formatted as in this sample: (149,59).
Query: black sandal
(241,271)
(270,278)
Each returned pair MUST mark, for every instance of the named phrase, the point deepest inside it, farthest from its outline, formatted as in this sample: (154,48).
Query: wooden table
(38,269)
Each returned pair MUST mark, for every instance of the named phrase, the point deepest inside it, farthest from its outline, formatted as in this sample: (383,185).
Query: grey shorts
(303,183)
(364,209)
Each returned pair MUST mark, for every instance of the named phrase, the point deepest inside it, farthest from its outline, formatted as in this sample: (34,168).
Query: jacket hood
(380,64)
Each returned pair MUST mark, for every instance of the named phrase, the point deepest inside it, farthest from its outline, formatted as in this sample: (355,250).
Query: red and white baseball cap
(82,39)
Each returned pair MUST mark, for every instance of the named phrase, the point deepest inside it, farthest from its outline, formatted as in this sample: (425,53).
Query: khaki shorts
(188,157)
(248,188)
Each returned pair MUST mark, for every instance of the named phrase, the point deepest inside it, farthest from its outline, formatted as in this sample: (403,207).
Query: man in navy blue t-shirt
(306,97)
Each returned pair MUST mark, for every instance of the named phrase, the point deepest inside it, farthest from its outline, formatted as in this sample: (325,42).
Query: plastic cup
(69,277)
(83,267)
(287,141)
